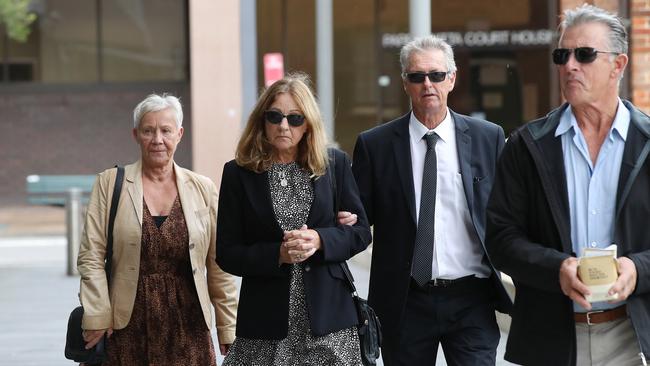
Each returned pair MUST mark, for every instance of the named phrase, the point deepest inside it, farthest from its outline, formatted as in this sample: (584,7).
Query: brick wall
(80,130)
(609,5)
(640,53)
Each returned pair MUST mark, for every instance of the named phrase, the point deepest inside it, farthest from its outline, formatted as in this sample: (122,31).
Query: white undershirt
(457,250)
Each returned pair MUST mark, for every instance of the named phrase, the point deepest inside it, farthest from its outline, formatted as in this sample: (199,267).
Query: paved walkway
(32,221)
(36,298)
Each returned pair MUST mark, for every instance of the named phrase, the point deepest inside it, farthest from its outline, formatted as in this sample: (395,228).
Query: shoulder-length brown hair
(255,152)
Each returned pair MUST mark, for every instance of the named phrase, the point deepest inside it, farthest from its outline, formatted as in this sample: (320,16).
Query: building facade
(66,94)
(502,48)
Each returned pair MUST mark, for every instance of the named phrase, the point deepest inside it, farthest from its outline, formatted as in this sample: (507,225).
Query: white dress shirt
(457,250)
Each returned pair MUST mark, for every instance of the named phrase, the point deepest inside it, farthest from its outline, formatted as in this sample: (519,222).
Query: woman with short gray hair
(164,277)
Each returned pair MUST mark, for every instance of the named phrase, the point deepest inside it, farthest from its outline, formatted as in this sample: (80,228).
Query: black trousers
(460,317)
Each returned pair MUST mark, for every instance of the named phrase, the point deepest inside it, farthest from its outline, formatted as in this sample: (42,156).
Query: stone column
(215,84)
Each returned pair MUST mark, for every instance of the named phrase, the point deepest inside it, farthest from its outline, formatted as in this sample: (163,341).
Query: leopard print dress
(167,325)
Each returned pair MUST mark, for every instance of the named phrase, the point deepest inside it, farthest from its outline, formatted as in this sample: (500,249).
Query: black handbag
(75,346)
(369,327)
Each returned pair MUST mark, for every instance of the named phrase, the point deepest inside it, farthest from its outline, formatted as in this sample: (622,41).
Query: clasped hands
(298,245)
(576,290)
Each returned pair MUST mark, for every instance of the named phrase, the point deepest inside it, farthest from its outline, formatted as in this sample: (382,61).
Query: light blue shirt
(592,188)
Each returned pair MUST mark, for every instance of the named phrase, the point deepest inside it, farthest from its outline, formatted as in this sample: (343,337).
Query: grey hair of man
(155,103)
(423,44)
(617,35)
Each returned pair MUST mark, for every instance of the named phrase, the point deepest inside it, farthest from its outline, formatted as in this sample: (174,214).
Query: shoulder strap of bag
(332,174)
(117,189)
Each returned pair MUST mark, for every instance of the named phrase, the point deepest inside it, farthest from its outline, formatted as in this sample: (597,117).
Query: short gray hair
(427,43)
(155,103)
(592,14)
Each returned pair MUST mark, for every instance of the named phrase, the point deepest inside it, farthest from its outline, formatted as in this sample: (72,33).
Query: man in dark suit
(424,180)
(577,178)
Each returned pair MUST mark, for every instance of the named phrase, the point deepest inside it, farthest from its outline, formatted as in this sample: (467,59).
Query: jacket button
(191,246)
(307,268)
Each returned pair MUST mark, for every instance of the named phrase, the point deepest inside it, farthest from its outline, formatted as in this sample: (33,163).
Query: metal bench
(52,189)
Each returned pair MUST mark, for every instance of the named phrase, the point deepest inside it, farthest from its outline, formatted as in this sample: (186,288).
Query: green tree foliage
(16,18)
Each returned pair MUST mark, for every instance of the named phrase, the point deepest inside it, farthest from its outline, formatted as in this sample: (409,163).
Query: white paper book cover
(597,269)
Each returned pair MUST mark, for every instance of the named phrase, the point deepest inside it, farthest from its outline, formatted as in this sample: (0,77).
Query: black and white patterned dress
(292,195)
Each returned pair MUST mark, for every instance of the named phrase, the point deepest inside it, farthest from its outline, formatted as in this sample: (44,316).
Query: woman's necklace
(283,178)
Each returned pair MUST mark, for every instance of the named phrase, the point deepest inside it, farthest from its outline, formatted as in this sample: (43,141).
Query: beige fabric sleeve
(93,290)
(221,285)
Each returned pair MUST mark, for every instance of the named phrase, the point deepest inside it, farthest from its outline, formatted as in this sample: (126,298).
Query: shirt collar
(567,121)
(622,120)
(445,130)
(620,125)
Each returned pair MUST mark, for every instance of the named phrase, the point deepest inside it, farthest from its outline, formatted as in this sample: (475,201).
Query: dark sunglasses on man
(583,55)
(418,77)
(275,117)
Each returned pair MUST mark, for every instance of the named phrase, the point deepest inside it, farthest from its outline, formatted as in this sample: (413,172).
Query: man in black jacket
(424,181)
(577,178)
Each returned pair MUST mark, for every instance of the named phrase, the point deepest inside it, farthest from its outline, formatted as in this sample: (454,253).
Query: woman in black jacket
(276,228)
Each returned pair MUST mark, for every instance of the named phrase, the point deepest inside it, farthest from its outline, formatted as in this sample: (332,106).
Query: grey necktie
(423,251)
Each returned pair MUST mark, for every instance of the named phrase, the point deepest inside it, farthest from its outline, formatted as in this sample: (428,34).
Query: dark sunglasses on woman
(275,117)
(434,76)
(583,55)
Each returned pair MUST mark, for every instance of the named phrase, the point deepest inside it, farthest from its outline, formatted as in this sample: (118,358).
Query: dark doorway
(496,88)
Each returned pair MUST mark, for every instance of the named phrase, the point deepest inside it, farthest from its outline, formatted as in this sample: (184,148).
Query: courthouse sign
(494,38)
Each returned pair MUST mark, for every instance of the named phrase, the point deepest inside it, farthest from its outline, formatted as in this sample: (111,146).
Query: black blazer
(382,167)
(529,235)
(248,245)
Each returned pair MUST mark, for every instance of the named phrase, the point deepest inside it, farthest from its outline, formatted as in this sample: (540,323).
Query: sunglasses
(275,117)
(434,76)
(583,55)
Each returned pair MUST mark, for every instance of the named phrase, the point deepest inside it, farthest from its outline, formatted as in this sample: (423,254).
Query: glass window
(88,41)
(65,40)
(355,69)
(288,27)
(144,40)
(502,51)
(503,67)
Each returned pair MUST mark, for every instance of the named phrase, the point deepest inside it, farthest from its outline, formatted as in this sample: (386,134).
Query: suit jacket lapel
(402,151)
(186,194)
(464,147)
(133,178)
(257,189)
(554,157)
(546,150)
(322,188)
(637,147)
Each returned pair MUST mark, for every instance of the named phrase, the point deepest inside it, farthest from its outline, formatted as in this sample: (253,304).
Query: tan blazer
(198,195)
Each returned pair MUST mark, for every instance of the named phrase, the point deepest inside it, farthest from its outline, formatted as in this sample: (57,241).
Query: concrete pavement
(32,221)
(36,298)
